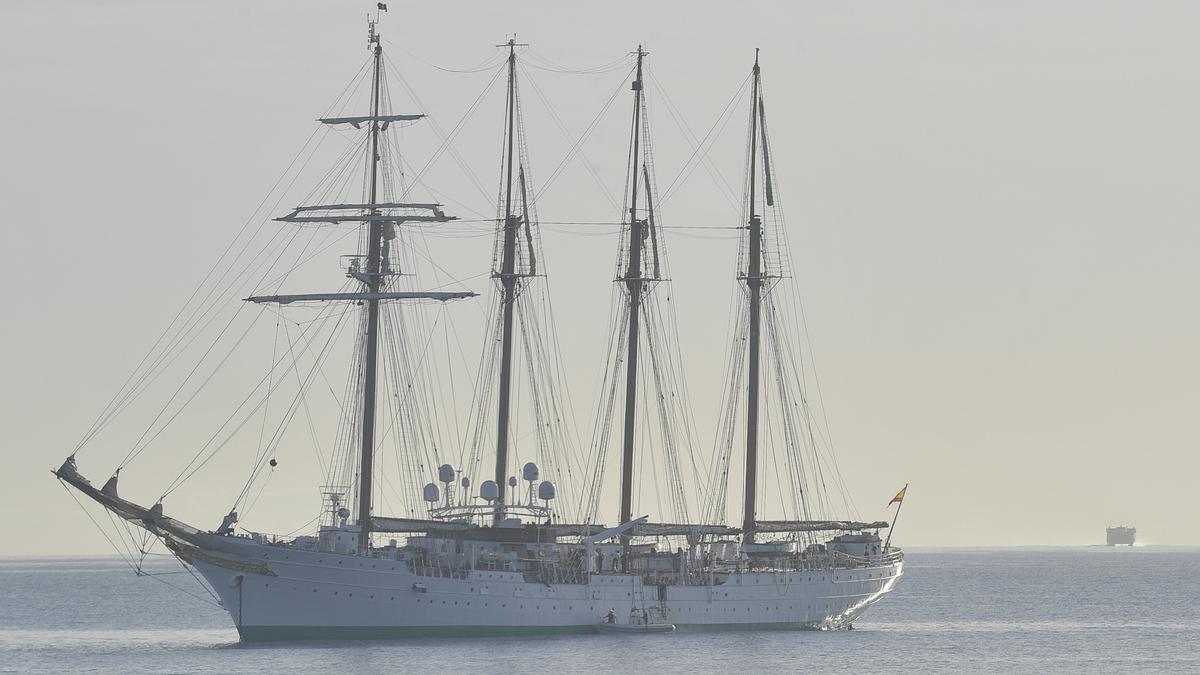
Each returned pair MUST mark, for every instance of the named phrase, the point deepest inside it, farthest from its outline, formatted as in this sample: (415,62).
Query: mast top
(512,44)
(637,79)
(372,34)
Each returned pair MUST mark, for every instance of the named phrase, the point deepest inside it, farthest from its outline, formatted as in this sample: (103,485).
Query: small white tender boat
(634,628)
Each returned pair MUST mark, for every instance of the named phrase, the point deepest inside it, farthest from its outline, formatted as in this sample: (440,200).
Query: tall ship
(1121,535)
(476,545)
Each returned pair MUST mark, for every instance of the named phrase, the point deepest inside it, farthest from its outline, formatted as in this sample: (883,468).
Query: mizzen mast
(641,346)
(754,284)
(633,284)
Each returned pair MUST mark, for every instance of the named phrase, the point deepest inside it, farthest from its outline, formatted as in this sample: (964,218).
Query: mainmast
(633,283)
(372,282)
(508,283)
(754,279)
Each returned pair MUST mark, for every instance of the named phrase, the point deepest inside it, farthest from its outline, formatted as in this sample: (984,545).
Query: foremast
(380,217)
(372,283)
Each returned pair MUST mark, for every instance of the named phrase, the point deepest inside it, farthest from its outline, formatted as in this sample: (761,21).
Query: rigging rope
(126,393)
(486,64)
(587,132)
(699,150)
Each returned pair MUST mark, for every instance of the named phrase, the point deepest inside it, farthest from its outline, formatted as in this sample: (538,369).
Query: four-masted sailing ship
(499,558)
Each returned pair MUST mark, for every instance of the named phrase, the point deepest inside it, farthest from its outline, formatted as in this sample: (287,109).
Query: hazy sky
(992,209)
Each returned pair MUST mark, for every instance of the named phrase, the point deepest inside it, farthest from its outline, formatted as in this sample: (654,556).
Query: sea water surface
(1090,610)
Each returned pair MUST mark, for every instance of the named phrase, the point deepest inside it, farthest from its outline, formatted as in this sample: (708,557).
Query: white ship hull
(498,560)
(277,593)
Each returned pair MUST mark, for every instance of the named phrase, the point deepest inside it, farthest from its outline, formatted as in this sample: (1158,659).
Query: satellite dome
(466,482)
(431,492)
(489,490)
(529,471)
(546,490)
(446,473)
(512,481)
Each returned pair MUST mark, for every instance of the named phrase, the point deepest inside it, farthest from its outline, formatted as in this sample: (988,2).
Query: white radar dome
(489,490)
(529,471)
(431,492)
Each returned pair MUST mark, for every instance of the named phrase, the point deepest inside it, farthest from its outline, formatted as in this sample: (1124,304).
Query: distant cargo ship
(1121,535)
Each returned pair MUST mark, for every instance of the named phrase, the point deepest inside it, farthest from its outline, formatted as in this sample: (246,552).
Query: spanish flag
(899,498)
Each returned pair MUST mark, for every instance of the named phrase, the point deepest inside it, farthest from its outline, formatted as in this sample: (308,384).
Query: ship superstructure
(1121,535)
(500,557)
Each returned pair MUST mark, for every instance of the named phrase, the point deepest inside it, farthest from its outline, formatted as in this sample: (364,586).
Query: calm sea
(1000,610)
